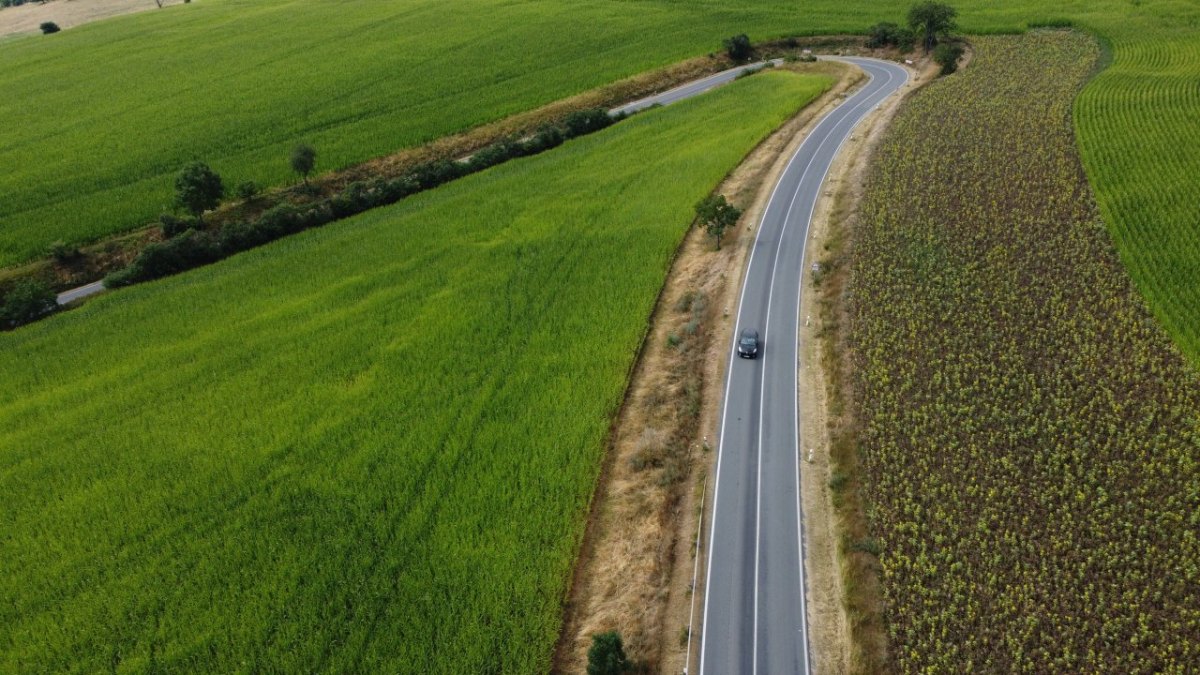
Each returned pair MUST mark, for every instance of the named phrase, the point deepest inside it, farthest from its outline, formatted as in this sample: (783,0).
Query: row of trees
(198,188)
(928,20)
(933,22)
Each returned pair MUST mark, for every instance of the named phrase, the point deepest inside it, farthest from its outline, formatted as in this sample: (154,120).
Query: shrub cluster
(188,246)
(28,300)
(890,35)
(739,48)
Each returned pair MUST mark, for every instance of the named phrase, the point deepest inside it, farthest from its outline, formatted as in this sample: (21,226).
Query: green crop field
(97,119)
(1029,434)
(366,448)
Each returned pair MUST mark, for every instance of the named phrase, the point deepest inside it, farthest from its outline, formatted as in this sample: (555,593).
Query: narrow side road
(690,89)
(754,604)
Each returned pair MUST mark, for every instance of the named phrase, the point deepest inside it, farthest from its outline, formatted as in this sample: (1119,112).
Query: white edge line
(705,83)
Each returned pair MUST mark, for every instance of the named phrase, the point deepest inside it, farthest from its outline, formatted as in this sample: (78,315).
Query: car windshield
(749,339)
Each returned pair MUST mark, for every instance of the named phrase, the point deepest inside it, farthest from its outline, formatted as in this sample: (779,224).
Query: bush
(64,252)
(188,250)
(28,300)
(247,190)
(890,35)
(173,226)
(583,122)
(547,137)
(490,156)
(356,198)
(738,47)
(392,191)
(49,27)
(607,655)
(241,236)
(947,55)
(433,174)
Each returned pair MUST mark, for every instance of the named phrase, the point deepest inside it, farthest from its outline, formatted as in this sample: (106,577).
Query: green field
(365,448)
(98,118)
(1029,434)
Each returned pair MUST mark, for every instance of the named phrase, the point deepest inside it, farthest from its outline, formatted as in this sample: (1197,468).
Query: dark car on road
(748,344)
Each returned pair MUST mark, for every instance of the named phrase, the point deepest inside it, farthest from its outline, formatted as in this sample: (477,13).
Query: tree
(930,19)
(304,158)
(947,55)
(607,655)
(49,27)
(198,189)
(717,215)
(28,300)
(738,47)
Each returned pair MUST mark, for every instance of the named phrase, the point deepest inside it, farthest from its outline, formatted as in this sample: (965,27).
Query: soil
(68,13)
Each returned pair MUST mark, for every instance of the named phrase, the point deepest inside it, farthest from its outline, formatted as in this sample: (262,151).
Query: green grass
(99,118)
(365,448)
(1028,433)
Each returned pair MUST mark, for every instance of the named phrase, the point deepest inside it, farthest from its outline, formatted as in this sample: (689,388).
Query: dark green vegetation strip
(369,447)
(1029,433)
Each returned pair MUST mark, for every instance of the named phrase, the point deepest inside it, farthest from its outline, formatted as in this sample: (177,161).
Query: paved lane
(690,89)
(754,608)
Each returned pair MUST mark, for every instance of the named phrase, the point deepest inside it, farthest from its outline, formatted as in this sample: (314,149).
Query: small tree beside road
(607,655)
(738,47)
(198,188)
(304,158)
(717,215)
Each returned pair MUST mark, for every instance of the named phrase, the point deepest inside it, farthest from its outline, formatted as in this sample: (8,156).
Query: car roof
(750,332)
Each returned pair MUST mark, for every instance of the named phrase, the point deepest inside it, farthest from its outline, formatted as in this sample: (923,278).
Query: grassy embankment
(368,447)
(1028,433)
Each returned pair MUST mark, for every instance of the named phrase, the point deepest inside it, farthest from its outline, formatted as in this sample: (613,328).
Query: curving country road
(754,605)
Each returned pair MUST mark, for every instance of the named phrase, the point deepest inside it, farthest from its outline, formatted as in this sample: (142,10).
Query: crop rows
(1139,125)
(1029,434)
(365,448)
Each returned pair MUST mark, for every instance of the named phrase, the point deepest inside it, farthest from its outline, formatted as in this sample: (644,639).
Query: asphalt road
(754,605)
(80,292)
(690,89)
